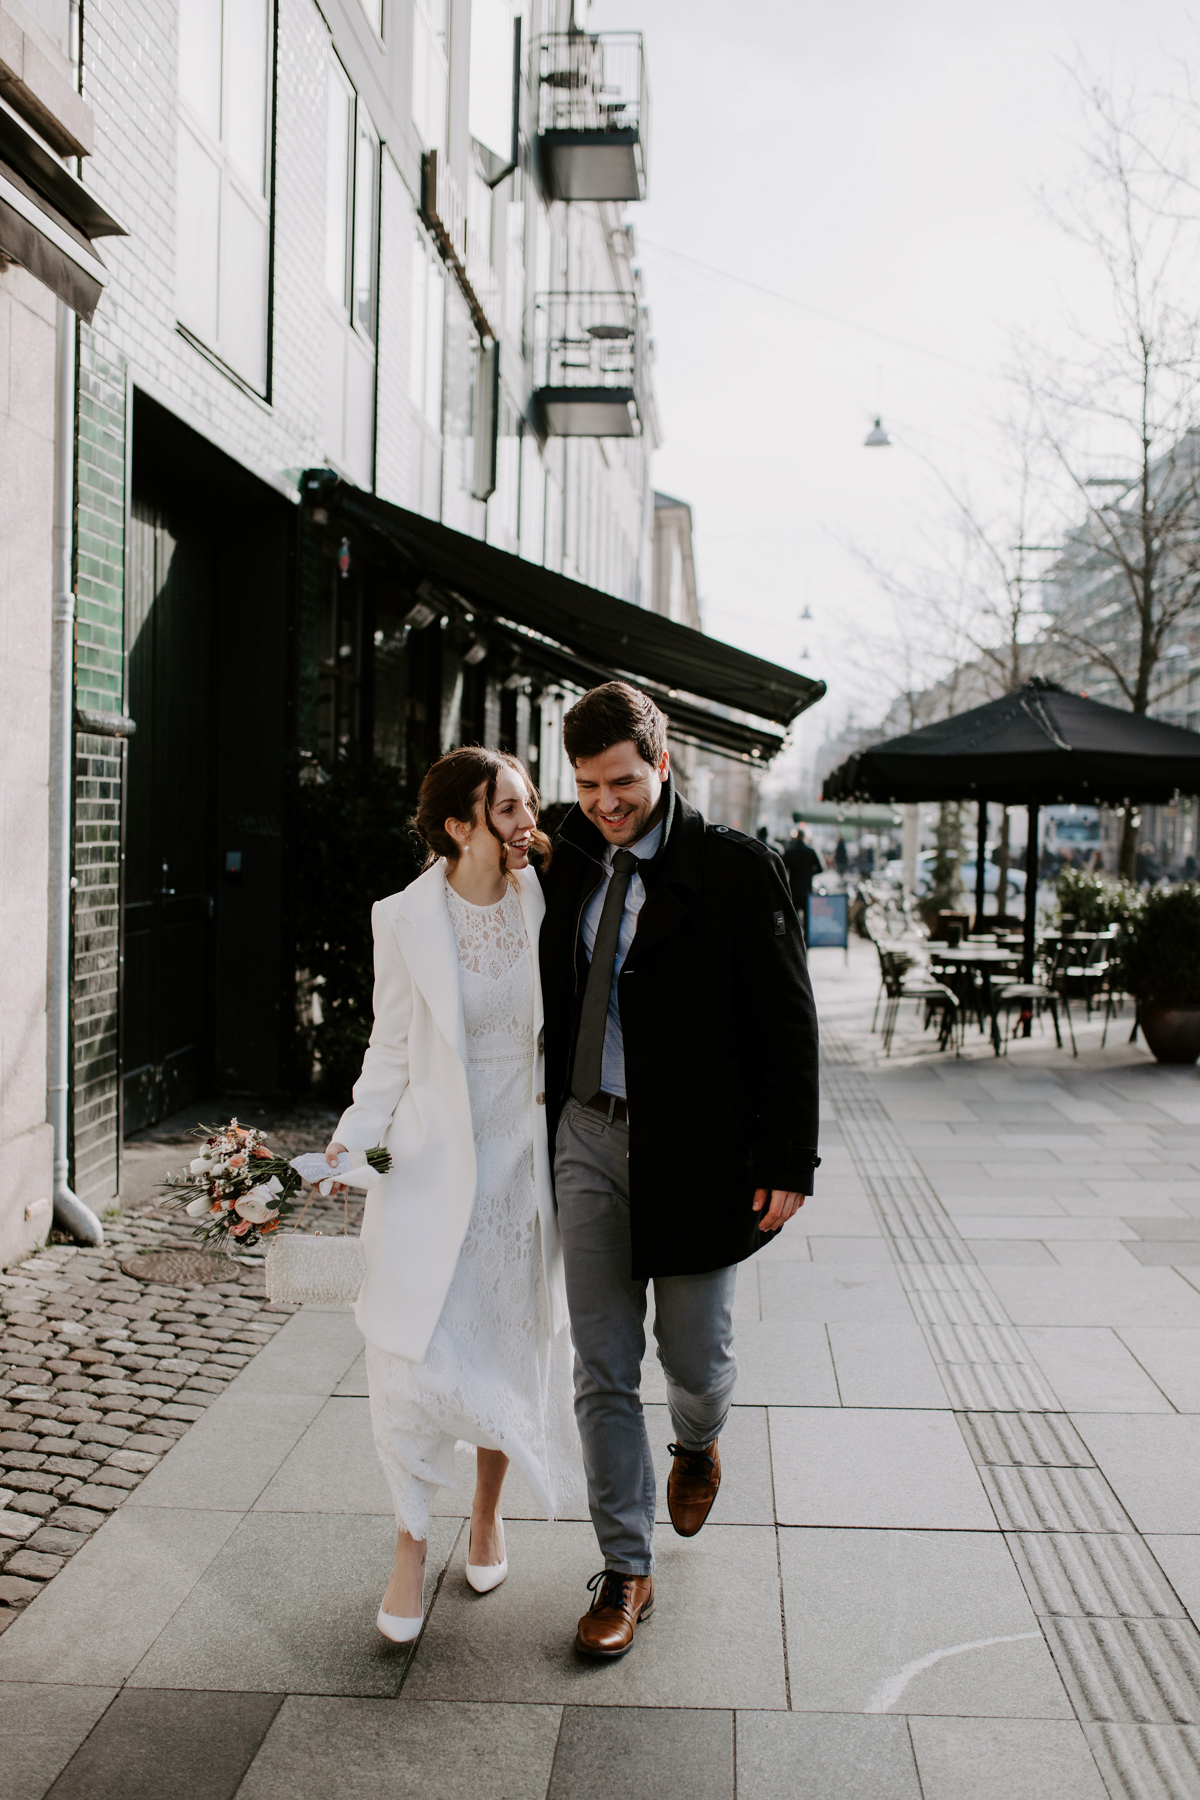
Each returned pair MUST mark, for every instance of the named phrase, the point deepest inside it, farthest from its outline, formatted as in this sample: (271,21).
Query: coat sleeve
(782,1027)
(379,1088)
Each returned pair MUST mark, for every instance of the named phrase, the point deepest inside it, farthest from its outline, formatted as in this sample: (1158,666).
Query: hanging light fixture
(806,614)
(877,438)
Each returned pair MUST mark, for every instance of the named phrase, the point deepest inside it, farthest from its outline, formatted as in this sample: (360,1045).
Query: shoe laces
(613,1587)
(693,1462)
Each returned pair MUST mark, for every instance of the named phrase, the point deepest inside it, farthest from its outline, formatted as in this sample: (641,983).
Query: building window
(374,12)
(351,279)
(223,224)
(430,72)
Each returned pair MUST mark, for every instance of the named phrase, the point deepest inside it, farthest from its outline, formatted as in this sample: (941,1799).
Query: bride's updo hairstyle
(456,787)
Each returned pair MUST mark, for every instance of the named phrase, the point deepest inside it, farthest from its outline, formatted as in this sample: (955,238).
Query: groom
(681,1082)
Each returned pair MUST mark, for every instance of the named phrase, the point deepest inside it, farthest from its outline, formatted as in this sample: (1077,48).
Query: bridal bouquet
(238,1190)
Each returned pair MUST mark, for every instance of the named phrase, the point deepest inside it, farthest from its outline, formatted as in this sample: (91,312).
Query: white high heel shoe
(397,1630)
(484,1577)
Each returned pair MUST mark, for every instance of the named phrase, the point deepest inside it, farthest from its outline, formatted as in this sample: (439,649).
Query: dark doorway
(169,900)
(207,993)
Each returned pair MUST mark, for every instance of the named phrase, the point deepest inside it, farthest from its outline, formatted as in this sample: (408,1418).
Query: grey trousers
(693,1325)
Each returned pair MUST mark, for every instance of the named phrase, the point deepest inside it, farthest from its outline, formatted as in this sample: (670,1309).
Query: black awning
(692,724)
(608,634)
(48,221)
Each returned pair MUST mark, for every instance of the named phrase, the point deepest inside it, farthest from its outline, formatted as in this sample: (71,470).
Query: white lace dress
(493,1375)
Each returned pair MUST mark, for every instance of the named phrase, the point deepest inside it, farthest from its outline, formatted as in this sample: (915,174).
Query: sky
(880,166)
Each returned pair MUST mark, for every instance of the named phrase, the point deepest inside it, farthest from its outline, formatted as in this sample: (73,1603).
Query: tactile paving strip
(1126,1650)
(1147,1762)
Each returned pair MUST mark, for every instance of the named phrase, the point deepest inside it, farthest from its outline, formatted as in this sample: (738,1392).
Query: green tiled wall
(99,687)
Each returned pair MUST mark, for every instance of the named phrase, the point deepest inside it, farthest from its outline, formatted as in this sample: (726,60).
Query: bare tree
(969,617)
(1120,415)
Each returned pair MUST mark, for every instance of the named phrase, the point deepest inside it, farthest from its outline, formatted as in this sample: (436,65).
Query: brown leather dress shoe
(692,1486)
(621,1603)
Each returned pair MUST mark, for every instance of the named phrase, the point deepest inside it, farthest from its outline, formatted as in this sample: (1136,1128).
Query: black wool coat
(720,1035)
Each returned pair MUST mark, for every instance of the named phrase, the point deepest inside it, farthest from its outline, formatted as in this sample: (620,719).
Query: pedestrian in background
(463,1305)
(803,865)
(681,1082)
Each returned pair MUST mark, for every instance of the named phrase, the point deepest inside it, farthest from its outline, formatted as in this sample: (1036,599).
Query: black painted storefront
(269,644)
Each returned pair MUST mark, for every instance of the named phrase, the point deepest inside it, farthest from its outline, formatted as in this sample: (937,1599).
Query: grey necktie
(589,1045)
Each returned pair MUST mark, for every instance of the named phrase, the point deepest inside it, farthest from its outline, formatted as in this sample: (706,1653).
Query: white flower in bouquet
(197,1208)
(253,1206)
(199,1165)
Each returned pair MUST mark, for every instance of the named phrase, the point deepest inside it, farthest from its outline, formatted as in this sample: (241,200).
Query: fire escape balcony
(588,350)
(593,115)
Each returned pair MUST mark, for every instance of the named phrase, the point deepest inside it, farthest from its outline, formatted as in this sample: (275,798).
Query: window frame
(346,304)
(262,204)
(359,345)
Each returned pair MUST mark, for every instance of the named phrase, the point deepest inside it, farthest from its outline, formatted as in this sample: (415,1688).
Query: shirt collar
(644,849)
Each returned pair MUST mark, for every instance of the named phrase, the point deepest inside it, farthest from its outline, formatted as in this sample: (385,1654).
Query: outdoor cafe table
(981,957)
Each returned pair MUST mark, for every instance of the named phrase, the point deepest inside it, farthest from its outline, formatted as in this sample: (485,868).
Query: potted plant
(1160,967)
(1095,901)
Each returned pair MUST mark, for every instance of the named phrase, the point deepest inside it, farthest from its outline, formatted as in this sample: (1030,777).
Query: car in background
(991,876)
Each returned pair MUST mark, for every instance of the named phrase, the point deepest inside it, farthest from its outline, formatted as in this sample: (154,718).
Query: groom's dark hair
(614,714)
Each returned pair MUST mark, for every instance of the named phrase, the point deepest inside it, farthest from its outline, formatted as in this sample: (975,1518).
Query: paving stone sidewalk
(103,1369)
(956,1553)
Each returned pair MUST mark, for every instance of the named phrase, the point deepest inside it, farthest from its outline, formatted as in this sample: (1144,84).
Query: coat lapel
(533,907)
(421,921)
(672,878)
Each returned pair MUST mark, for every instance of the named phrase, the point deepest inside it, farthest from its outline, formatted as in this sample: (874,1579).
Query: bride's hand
(331,1156)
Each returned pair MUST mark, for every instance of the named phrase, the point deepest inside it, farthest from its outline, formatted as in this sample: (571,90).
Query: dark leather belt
(608,1103)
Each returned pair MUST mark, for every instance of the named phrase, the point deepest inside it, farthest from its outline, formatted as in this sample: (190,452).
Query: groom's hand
(783,1205)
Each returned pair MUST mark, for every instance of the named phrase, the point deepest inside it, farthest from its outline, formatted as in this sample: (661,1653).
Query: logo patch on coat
(780,926)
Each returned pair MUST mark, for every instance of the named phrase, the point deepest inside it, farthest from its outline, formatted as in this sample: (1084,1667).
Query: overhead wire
(820,312)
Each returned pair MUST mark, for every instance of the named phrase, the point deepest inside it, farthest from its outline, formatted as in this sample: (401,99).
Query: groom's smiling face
(620,792)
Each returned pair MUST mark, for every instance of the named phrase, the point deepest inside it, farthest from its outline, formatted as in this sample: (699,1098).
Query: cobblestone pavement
(955,1554)
(102,1370)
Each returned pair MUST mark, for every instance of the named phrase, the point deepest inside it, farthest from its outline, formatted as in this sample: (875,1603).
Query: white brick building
(382,242)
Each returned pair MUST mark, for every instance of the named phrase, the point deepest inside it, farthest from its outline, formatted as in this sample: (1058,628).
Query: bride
(463,1304)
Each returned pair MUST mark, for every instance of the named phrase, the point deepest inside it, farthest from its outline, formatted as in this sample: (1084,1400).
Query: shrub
(1095,902)
(1160,954)
(352,825)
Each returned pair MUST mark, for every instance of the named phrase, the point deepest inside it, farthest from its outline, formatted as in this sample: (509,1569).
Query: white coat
(412,1098)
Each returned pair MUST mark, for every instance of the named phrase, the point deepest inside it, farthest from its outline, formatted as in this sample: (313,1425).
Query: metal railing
(593,82)
(588,340)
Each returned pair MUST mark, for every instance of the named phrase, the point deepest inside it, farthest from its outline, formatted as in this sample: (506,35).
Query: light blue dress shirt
(612,1067)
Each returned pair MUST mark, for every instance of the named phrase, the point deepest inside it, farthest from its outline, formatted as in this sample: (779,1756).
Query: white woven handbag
(314,1270)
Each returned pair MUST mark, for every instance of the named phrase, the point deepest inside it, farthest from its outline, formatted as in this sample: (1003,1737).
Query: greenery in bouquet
(238,1190)
(1095,902)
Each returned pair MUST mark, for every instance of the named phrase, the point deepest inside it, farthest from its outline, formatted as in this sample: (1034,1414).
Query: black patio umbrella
(1034,748)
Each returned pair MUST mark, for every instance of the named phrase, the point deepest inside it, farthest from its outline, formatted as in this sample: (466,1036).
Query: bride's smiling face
(512,822)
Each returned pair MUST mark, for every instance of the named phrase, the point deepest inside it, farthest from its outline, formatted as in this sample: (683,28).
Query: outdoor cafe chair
(894,959)
(903,980)
(1032,999)
(973,983)
(1081,969)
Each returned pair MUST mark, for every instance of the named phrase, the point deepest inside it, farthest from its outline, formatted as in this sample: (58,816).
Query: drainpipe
(70,1213)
